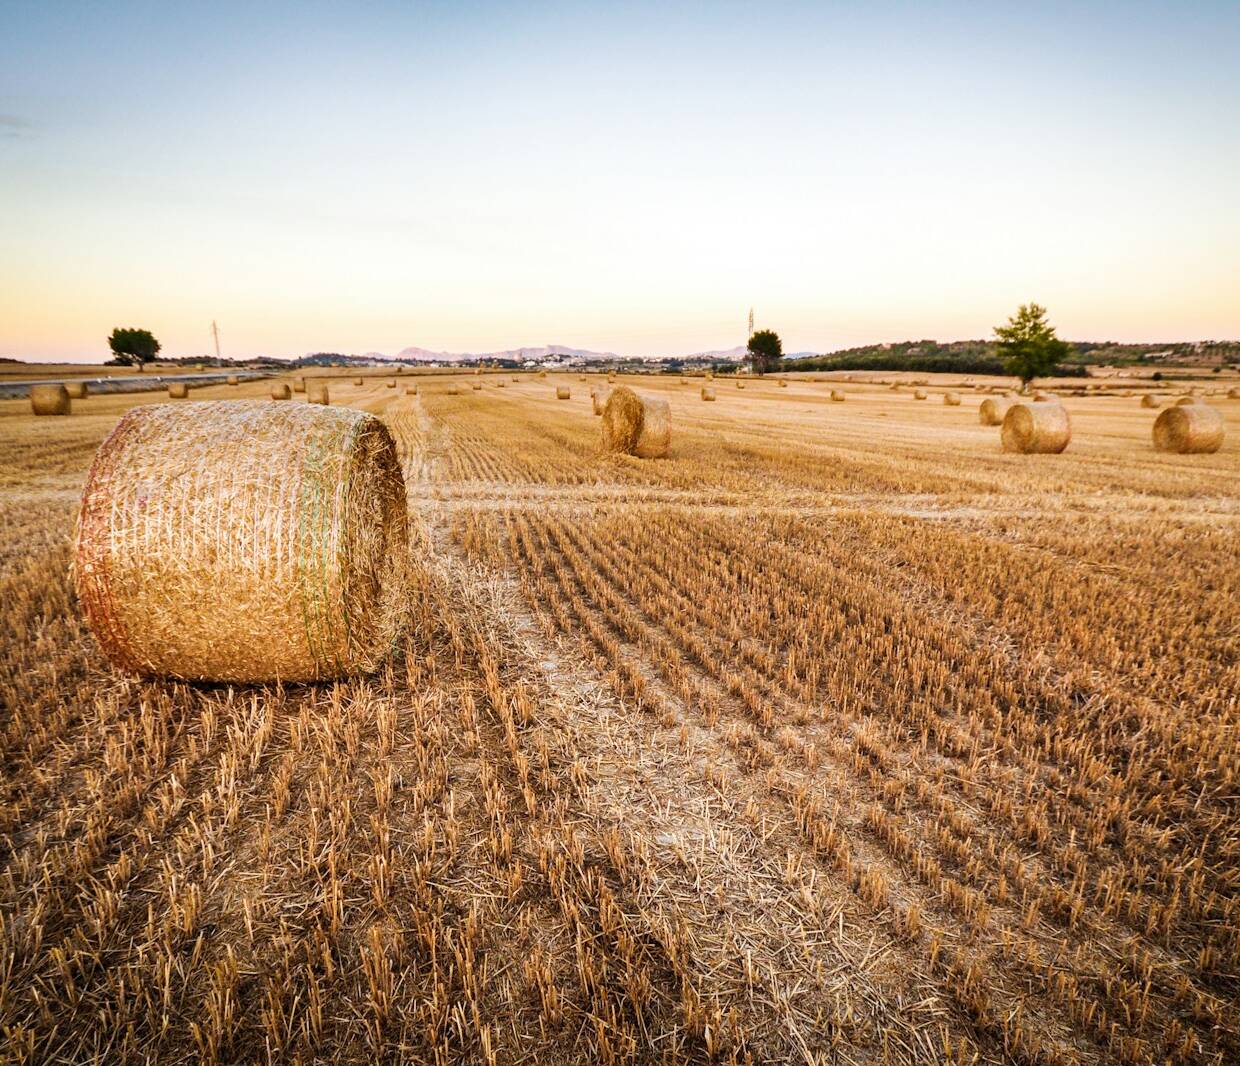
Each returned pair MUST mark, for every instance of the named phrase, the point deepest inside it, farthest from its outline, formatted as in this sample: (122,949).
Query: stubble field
(838,736)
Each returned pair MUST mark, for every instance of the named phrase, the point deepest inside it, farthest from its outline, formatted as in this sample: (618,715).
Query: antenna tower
(215,332)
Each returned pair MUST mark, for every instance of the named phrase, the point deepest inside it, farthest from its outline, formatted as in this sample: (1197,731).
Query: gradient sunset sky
(622,177)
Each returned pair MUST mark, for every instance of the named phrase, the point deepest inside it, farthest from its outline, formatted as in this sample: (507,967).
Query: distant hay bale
(50,400)
(740,384)
(477,371)
(1189,429)
(452,390)
(357,381)
(598,399)
(950,399)
(233,379)
(177,390)
(992,410)
(636,424)
(316,392)
(1188,401)
(708,395)
(77,390)
(1233,394)
(1036,428)
(611,375)
(837,396)
(782,383)
(280,391)
(299,384)
(919,394)
(476,386)
(499,384)
(542,375)
(710,375)
(243,541)
(411,390)
(391,384)
(581,377)
(563,392)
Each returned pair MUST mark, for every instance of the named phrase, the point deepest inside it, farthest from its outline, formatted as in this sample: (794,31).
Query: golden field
(838,736)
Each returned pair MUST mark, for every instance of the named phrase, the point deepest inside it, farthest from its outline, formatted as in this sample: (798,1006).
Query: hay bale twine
(177,390)
(77,390)
(50,400)
(1188,401)
(950,399)
(563,392)
(837,396)
(708,395)
(316,392)
(992,410)
(233,379)
(243,541)
(919,394)
(1036,428)
(280,391)
(299,384)
(636,425)
(1189,429)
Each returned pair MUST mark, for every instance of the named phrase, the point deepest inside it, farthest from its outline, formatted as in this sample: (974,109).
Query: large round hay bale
(299,384)
(50,400)
(992,410)
(316,392)
(636,425)
(837,396)
(177,390)
(563,392)
(919,394)
(708,395)
(77,390)
(1189,429)
(243,541)
(950,399)
(1188,401)
(233,379)
(280,390)
(1036,428)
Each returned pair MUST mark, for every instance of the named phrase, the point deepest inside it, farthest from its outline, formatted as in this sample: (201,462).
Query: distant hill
(518,355)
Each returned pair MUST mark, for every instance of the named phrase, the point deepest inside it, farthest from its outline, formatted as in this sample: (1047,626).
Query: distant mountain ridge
(415,354)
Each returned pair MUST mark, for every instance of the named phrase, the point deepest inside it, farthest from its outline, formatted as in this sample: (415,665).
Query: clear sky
(623,177)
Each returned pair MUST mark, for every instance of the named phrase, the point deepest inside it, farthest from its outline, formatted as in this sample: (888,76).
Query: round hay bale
(708,395)
(411,390)
(598,399)
(1188,401)
(476,386)
(391,384)
(499,384)
(710,375)
(1036,428)
(242,541)
(837,396)
(992,410)
(782,383)
(1233,394)
(280,391)
(177,390)
(740,384)
(563,392)
(611,375)
(542,375)
(950,399)
(50,400)
(233,379)
(299,384)
(452,390)
(636,425)
(1189,429)
(919,394)
(316,392)
(357,381)
(477,371)
(77,390)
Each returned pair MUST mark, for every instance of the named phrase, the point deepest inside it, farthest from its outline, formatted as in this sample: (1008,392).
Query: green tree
(1028,345)
(765,350)
(133,347)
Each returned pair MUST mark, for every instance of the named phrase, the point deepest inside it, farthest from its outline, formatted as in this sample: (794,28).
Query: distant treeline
(925,357)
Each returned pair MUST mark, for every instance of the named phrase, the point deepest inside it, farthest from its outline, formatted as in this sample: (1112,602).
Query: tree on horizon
(133,347)
(765,350)
(1028,345)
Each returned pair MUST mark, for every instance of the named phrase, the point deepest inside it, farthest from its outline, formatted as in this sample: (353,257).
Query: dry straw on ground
(50,400)
(241,541)
(77,390)
(1036,428)
(708,394)
(992,410)
(562,392)
(280,390)
(316,392)
(950,399)
(636,424)
(1189,429)
(178,390)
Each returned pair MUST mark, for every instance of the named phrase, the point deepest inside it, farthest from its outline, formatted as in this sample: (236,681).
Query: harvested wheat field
(836,735)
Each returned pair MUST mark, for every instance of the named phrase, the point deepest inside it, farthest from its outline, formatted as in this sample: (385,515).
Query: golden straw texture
(636,425)
(1036,428)
(243,541)
(50,400)
(1190,429)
